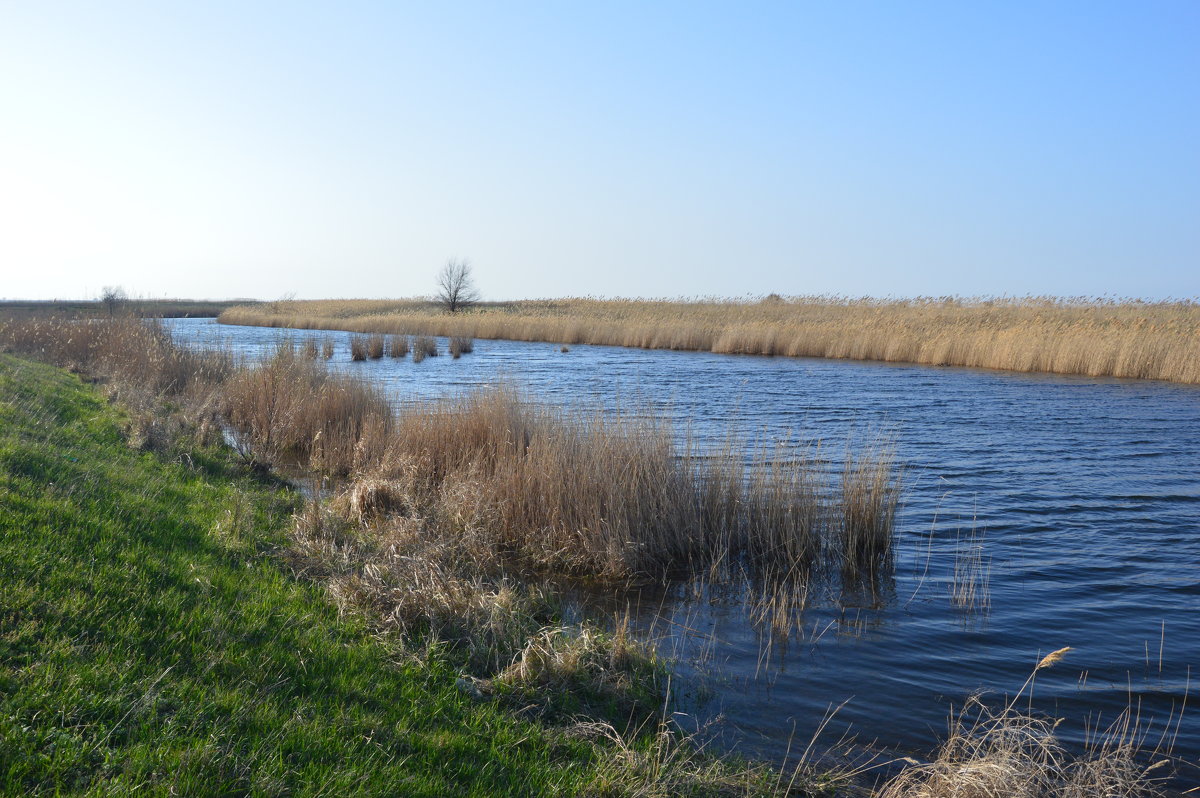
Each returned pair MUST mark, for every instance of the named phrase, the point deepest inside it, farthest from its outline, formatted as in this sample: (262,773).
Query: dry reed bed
(1095,337)
(576,492)
(567,492)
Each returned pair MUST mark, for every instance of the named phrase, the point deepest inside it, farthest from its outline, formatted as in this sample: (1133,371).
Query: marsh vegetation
(1090,336)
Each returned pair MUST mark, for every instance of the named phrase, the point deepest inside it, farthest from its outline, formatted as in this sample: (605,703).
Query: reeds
(291,409)
(139,365)
(1010,753)
(398,346)
(870,491)
(309,349)
(461,345)
(375,346)
(423,346)
(594,494)
(970,588)
(327,348)
(358,347)
(581,492)
(1077,335)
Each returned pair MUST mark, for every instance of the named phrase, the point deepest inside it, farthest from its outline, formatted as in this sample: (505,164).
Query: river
(1079,498)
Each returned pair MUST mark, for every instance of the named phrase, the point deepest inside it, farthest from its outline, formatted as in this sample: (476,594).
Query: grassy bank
(1096,337)
(150,644)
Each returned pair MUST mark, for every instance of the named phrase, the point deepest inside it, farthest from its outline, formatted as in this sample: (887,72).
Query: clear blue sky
(347,149)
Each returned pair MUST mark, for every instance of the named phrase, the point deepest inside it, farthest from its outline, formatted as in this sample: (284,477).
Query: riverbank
(361,549)
(1093,337)
(157,640)
(153,644)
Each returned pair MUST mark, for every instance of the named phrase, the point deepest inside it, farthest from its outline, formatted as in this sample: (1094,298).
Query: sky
(258,149)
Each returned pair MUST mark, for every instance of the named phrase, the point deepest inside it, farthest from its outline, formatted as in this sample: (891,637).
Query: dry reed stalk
(461,345)
(327,348)
(970,589)
(1077,335)
(358,347)
(310,349)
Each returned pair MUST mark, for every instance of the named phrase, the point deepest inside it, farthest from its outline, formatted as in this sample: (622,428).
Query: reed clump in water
(1074,335)
(309,349)
(291,409)
(461,345)
(327,348)
(423,346)
(870,492)
(970,588)
(602,495)
(358,347)
(398,346)
(375,346)
(1007,752)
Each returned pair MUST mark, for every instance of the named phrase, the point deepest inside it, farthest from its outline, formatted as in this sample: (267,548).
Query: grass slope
(147,644)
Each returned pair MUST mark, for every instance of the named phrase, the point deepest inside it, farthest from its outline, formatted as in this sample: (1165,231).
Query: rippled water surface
(1085,493)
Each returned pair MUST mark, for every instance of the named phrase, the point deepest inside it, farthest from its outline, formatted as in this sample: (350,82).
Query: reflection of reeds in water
(970,589)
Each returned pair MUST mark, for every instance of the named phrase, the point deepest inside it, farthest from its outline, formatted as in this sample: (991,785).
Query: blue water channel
(1081,496)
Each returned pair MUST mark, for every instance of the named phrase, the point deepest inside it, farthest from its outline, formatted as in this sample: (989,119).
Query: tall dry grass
(292,409)
(1090,336)
(574,492)
(1003,751)
(139,365)
(423,346)
(611,496)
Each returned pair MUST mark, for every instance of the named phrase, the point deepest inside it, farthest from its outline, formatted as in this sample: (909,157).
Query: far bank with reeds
(1087,336)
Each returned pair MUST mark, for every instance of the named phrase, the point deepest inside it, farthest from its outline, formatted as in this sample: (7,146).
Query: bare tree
(456,290)
(113,297)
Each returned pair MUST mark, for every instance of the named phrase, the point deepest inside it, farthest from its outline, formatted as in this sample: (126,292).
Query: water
(1086,493)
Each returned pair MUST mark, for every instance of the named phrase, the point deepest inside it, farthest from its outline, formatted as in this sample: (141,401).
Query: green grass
(150,642)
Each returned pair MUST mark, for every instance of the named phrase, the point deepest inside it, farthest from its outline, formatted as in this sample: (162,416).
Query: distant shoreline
(1082,336)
